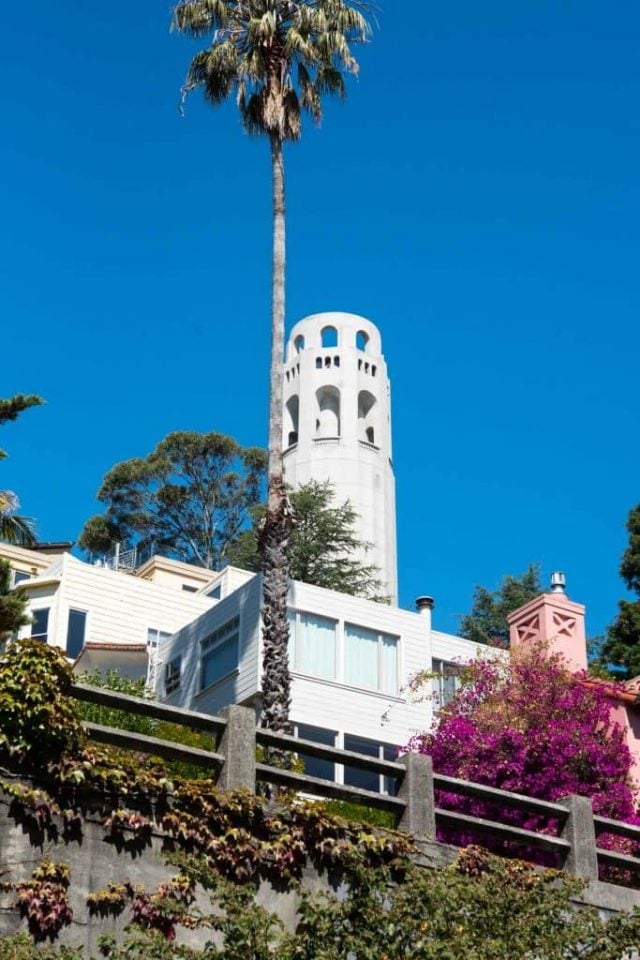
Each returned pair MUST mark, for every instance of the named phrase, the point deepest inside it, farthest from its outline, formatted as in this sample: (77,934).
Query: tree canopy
(622,642)
(487,621)
(13,604)
(324,549)
(189,498)
(13,527)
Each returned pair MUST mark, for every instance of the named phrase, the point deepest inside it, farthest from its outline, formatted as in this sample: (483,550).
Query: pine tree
(487,621)
(622,643)
(13,604)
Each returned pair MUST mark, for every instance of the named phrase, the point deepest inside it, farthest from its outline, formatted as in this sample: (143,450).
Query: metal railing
(418,790)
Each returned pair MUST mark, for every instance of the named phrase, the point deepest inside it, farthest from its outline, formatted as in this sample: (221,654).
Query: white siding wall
(119,607)
(237,688)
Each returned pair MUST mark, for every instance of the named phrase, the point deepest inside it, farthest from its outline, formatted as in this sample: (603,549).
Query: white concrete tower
(337,425)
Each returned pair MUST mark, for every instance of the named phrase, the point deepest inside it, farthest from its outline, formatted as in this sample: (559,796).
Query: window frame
(380,634)
(438,676)
(85,631)
(42,637)
(294,642)
(208,644)
(173,681)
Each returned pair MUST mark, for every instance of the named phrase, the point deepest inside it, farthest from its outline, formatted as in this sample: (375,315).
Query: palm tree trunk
(276,684)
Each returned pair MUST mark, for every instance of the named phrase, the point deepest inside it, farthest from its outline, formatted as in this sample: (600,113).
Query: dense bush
(529,726)
(38,719)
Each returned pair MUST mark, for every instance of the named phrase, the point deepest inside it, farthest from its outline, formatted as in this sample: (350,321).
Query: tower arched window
(328,413)
(329,336)
(362,341)
(299,343)
(367,415)
(291,421)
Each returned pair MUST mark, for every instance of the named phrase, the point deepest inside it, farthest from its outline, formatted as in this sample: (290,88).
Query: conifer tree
(487,621)
(622,643)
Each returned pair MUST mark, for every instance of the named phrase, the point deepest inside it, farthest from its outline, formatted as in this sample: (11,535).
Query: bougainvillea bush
(530,726)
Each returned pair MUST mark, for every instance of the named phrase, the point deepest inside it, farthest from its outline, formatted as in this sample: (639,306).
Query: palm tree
(279,57)
(13,528)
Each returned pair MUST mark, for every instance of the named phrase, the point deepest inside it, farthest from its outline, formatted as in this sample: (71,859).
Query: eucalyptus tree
(278,58)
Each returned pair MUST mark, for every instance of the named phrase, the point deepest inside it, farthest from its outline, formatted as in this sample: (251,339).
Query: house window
(172,675)
(370,659)
(367,779)
(40,625)
(76,625)
(216,592)
(313,645)
(19,576)
(314,766)
(189,588)
(155,637)
(444,682)
(220,654)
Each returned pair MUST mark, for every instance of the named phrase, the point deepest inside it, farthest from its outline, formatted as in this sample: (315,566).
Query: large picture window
(313,645)
(368,779)
(220,653)
(315,766)
(370,659)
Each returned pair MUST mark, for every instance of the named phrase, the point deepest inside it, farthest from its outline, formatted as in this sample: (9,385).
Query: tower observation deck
(337,425)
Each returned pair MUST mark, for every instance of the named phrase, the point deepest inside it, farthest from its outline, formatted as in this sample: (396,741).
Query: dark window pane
(364,779)
(313,766)
(75,632)
(40,624)
(20,576)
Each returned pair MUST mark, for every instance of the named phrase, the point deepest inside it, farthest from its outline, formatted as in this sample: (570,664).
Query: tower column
(338,425)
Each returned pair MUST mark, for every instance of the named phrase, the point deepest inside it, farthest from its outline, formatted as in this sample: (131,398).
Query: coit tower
(337,426)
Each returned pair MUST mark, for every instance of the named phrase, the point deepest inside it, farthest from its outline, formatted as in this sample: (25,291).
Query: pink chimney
(555,620)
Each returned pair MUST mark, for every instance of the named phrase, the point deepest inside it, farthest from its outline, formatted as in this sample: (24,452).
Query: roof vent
(558,582)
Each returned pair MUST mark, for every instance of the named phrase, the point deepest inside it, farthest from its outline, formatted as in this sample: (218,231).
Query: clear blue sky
(478,197)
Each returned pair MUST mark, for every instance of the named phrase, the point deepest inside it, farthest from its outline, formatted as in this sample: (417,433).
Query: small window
(75,632)
(220,653)
(314,766)
(362,340)
(370,435)
(359,364)
(155,637)
(40,625)
(373,370)
(172,675)
(318,363)
(216,592)
(327,361)
(19,576)
(329,337)
(444,682)
(189,589)
(336,361)
(299,343)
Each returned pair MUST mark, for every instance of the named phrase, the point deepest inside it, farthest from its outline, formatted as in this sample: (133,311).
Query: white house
(350,660)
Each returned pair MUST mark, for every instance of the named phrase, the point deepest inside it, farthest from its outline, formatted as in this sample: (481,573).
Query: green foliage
(480,908)
(14,528)
(276,59)
(11,408)
(622,643)
(38,721)
(13,604)
(190,499)
(324,546)
(487,621)
(107,716)
(357,811)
